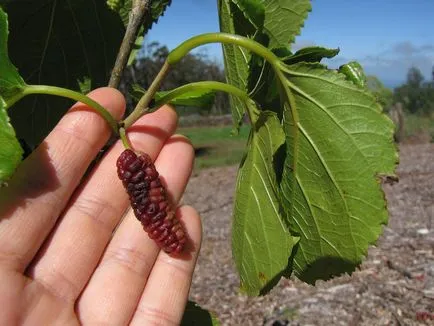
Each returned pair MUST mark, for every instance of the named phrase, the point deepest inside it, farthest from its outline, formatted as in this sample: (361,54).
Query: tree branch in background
(135,21)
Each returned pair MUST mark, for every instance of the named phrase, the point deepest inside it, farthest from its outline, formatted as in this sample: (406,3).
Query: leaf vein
(331,176)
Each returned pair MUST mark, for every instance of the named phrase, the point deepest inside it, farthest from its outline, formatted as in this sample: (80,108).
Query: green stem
(180,51)
(124,138)
(202,85)
(143,106)
(183,49)
(63,92)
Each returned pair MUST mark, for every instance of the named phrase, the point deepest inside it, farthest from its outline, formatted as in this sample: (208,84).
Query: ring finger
(109,298)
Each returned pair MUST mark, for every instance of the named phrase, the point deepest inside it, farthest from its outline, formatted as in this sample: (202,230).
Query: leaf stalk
(181,50)
(142,106)
(202,85)
(64,92)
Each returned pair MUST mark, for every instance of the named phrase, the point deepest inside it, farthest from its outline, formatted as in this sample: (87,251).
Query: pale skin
(71,250)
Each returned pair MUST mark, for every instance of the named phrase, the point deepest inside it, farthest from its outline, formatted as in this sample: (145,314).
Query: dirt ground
(394,286)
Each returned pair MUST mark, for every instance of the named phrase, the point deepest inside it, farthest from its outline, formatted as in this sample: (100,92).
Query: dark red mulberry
(149,201)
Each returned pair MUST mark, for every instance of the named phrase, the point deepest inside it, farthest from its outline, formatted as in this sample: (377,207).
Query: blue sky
(385,36)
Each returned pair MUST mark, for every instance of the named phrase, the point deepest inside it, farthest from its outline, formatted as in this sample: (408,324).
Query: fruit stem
(124,138)
(143,106)
(64,92)
(202,85)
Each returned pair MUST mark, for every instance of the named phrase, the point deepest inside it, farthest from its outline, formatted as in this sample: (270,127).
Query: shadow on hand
(35,176)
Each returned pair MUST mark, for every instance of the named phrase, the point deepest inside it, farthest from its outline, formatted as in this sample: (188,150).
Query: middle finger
(117,284)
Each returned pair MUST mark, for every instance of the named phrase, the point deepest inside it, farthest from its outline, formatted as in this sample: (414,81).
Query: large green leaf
(280,21)
(253,10)
(10,149)
(261,243)
(59,42)
(338,145)
(11,82)
(262,82)
(273,23)
(236,58)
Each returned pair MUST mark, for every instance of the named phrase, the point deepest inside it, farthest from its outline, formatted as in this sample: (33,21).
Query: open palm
(70,250)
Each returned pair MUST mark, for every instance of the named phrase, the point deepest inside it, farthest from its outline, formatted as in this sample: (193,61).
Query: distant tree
(414,77)
(416,95)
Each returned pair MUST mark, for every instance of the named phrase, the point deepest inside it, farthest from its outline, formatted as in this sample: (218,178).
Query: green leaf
(338,144)
(279,20)
(115,5)
(311,54)
(194,315)
(11,151)
(262,80)
(274,23)
(197,98)
(11,82)
(155,10)
(261,243)
(236,58)
(253,10)
(58,42)
(354,73)
(85,85)
(283,20)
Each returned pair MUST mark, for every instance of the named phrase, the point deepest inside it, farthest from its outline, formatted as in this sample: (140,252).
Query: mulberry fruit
(149,201)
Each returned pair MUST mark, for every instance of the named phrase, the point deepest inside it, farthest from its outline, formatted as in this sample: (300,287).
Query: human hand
(67,255)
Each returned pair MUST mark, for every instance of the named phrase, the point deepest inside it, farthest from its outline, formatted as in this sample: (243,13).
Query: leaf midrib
(325,110)
(299,127)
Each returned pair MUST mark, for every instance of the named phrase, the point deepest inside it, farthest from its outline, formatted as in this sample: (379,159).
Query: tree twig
(135,20)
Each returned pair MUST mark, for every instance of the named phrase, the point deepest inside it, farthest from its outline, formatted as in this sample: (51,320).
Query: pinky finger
(166,292)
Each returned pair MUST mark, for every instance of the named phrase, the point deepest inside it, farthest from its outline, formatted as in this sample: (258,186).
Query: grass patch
(215,146)
(415,124)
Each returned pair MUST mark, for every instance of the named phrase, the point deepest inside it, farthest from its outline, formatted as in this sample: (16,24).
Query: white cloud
(392,64)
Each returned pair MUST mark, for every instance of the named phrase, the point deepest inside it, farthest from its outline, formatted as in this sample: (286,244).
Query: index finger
(42,185)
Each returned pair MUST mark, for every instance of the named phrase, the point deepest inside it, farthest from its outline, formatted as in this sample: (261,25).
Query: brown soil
(394,286)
